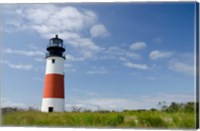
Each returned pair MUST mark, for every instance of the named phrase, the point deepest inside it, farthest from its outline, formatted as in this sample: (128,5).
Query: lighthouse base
(53,105)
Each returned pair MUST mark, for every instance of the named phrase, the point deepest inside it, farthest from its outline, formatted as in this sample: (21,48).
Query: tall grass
(135,119)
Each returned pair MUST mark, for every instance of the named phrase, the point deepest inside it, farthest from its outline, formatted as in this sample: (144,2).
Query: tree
(153,109)
(189,107)
(173,107)
(162,105)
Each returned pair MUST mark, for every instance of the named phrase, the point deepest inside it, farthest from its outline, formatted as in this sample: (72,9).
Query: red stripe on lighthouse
(54,86)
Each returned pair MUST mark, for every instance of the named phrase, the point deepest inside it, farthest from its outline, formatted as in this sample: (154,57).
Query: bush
(125,119)
(153,109)
(178,107)
(151,120)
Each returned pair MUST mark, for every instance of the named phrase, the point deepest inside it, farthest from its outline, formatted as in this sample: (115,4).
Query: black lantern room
(55,47)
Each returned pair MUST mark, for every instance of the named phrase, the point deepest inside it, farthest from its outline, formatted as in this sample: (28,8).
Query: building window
(53,60)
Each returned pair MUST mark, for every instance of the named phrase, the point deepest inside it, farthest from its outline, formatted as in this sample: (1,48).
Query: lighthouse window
(53,60)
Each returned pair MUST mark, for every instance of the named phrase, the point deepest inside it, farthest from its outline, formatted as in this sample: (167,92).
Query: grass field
(130,119)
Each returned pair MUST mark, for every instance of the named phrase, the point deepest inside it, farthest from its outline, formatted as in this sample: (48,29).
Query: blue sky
(118,56)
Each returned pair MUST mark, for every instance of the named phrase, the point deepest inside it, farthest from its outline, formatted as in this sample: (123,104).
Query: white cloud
(115,52)
(72,58)
(182,67)
(86,47)
(66,21)
(113,103)
(97,70)
(138,46)
(9,103)
(156,54)
(133,55)
(130,102)
(85,92)
(33,46)
(124,56)
(19,66)
(183,63)
(48,19)
(96,103)
(23,52)
(137,66)
(174,97)
(39,59)
(69,68)
(98,30)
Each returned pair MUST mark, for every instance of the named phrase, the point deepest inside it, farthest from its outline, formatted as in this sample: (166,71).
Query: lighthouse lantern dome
(55,47)
(56,42)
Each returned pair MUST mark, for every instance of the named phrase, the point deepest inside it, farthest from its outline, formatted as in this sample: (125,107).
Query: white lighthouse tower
(53,95)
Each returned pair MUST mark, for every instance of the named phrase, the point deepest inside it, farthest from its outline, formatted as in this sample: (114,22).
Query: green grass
(132,119)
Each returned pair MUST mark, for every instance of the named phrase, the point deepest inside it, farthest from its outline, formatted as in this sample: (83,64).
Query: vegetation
(176,115)
(178,107)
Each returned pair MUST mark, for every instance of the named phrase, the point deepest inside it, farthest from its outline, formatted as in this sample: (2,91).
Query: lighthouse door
(50,109)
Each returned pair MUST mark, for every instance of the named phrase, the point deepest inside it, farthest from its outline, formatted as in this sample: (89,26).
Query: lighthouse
(53,95)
